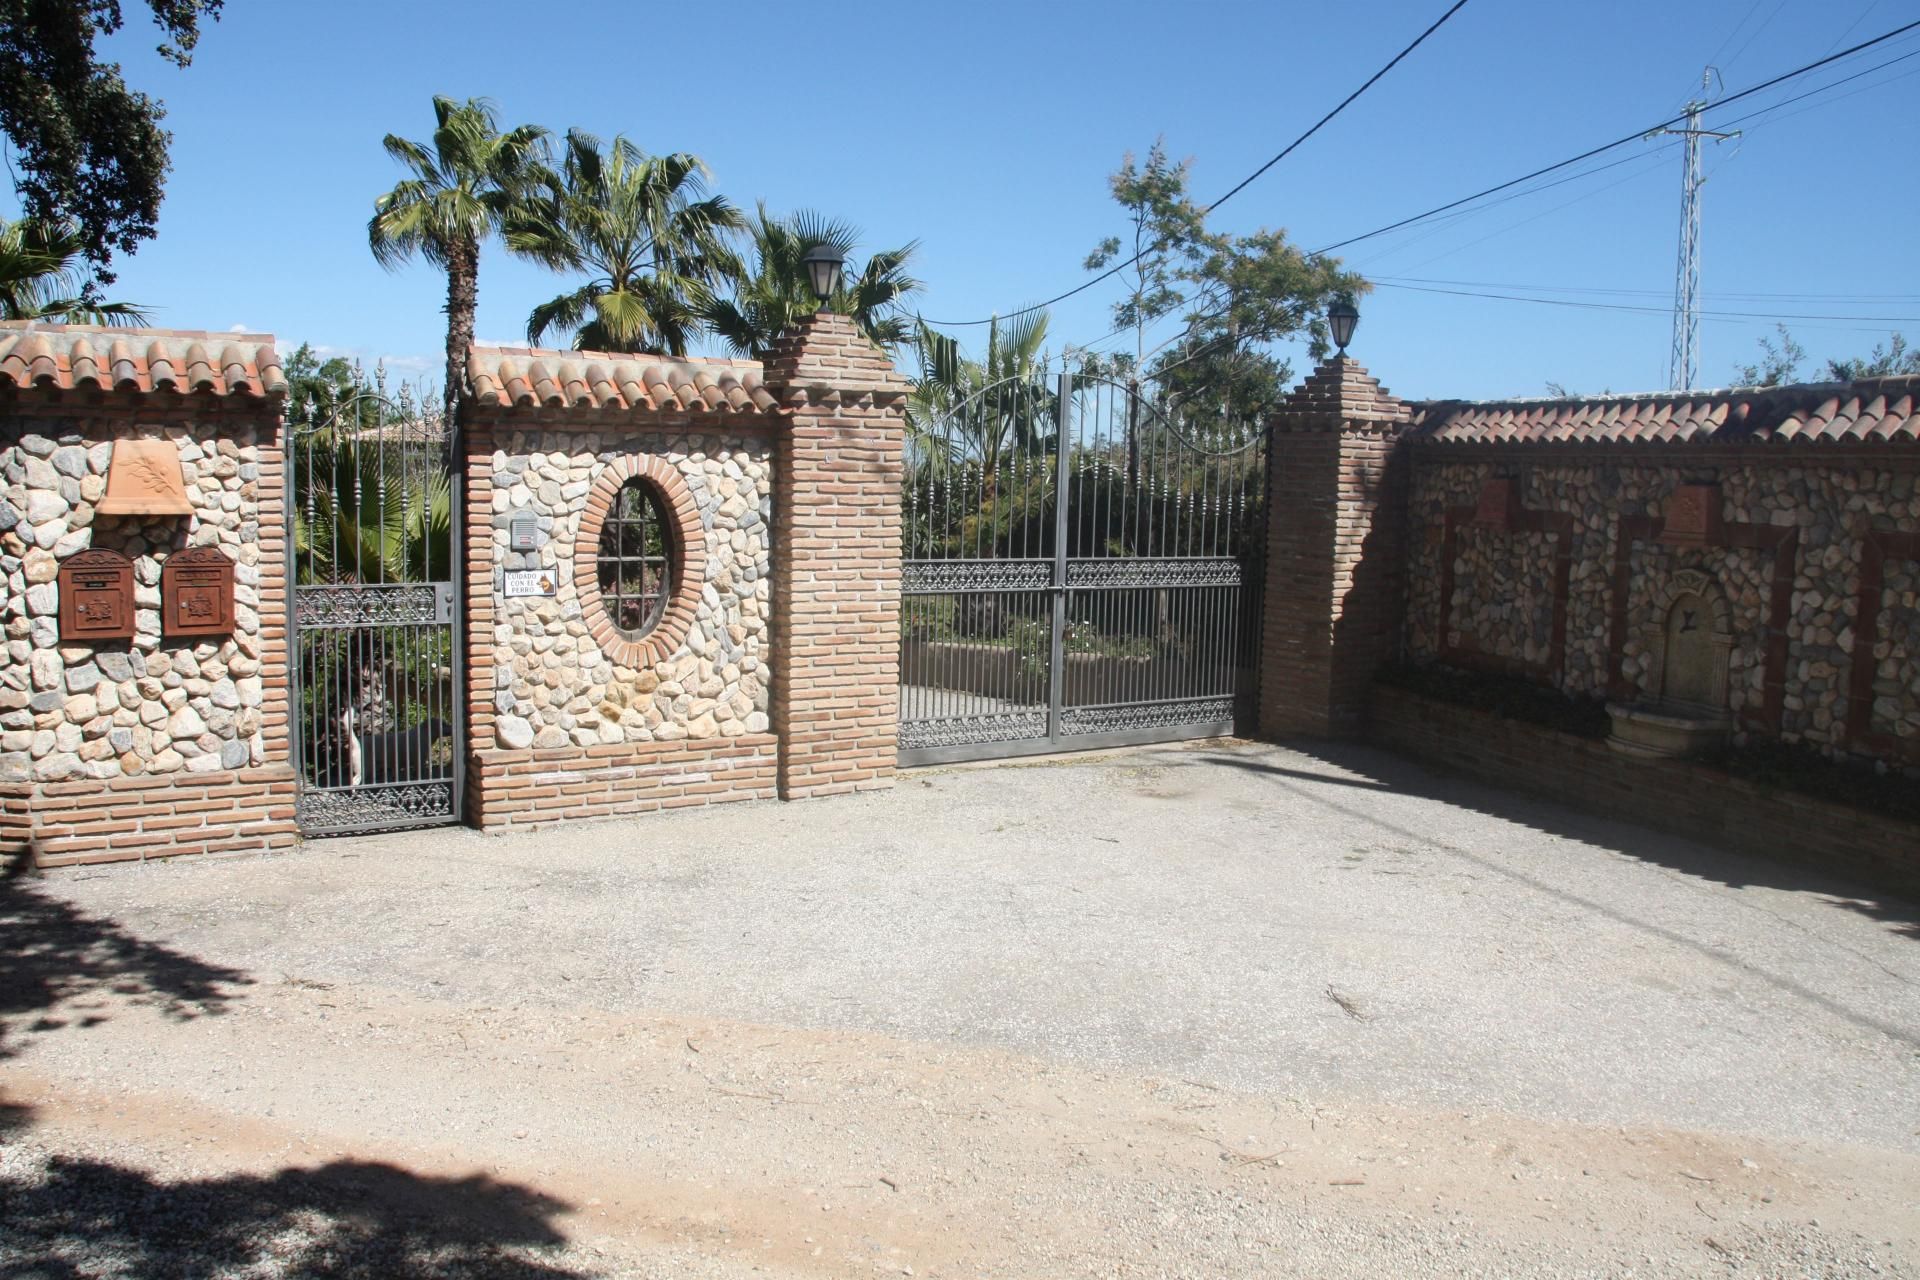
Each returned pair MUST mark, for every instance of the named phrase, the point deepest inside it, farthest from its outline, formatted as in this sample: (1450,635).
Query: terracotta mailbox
(196,593)
(96,597)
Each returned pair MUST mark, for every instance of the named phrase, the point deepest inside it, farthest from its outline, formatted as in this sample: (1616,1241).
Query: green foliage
(778,294)
(88,151)
(1780,363)
(41,278)
(653,243)
(1889,361)
(1239,296)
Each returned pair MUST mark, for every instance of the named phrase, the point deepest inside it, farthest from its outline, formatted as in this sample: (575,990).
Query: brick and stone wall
(161,744)
(769,478)
(1565,593)
(1688,799)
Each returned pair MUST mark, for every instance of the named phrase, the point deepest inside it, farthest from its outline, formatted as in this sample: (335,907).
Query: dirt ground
(1220,1010)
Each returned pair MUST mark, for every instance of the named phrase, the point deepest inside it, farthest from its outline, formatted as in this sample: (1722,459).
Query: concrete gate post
(1335,519)
(836,562)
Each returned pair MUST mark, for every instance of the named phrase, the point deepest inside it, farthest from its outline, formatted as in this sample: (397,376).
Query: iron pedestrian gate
(378,734)
(1080,571)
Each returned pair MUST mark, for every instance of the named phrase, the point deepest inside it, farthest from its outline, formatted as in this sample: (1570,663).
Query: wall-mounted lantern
(824,263)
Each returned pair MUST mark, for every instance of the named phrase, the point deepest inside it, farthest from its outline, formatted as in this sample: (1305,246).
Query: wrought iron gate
(376,661)
(1080,571)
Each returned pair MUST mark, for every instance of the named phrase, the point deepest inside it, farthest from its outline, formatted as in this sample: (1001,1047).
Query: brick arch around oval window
(689,557)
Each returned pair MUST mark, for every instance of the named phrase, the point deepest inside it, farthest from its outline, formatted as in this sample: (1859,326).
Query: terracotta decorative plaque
(196,593)
(144,479)
(1499,504)
(96,597)
(1693,517)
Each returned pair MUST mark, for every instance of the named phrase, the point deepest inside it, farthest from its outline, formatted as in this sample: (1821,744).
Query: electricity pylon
(1684,364)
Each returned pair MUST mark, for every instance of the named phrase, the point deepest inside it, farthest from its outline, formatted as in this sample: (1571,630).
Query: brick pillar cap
(1341,395)
(826,360)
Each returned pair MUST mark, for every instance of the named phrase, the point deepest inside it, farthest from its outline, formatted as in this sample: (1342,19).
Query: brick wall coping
(61,357)
(1872,411)
(526,378)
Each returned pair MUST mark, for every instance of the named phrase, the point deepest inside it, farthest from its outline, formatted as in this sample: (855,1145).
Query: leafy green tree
(653,242)
(1237,296)
(1778,363)
(466,182)
(88,152)
(41,277)
(778,294)
(1892,360)
(980,409)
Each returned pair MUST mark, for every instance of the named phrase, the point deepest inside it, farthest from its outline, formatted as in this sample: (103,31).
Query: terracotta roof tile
(1872,409)
(523,378)
(71,357)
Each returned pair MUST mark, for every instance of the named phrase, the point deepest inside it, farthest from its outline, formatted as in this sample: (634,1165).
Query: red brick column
(1335,514)
(836,559)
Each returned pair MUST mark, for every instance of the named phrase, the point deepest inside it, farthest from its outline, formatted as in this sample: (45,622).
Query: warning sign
(529,582)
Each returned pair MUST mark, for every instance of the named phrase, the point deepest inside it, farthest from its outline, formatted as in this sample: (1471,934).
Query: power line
(1238,187)
(1651,293)
(1636,136)
(1648,310)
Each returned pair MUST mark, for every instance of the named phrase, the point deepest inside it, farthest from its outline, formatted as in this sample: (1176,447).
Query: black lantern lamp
(823,263)
(1342,317)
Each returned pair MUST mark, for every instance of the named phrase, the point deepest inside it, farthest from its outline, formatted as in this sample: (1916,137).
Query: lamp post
(1342,317)
(823,263)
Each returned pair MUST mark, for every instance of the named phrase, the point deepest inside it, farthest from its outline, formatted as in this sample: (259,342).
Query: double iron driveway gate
(1079,572)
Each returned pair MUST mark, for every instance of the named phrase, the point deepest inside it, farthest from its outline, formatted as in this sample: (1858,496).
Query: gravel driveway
(1216,1010)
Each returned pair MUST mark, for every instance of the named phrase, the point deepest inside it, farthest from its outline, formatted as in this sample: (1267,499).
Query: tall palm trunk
(463,290)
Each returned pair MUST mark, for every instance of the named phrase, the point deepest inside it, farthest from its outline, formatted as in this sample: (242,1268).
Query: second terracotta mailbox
(196,593)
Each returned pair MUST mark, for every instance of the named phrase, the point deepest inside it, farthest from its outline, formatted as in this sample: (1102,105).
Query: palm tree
(41,277)
(466,182)
(778,294)
(981,408)
(643,228)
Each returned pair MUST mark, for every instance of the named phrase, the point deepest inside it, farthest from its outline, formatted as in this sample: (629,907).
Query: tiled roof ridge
(64,357)
(1867,410)
(526,377)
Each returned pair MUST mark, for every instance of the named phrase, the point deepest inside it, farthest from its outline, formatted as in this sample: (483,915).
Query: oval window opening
(635,560)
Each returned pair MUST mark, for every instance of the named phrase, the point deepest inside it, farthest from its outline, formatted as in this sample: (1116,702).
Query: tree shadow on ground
(63,1216)
(1378,769)
(60,967)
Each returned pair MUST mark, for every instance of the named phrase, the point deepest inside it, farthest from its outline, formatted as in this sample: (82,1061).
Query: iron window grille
(635,560)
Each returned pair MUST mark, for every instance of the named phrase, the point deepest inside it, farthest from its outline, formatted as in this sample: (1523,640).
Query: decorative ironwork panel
(1217,571)
(369,605)
(928,577)
(1146,715)
(376,808)
(958,731)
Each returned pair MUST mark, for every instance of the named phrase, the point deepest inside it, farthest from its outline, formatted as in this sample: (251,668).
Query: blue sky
(987,132)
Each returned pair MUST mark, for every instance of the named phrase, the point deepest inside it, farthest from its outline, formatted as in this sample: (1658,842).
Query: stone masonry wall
(554,684)
(116,750)
(562,724)
(1798,530)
